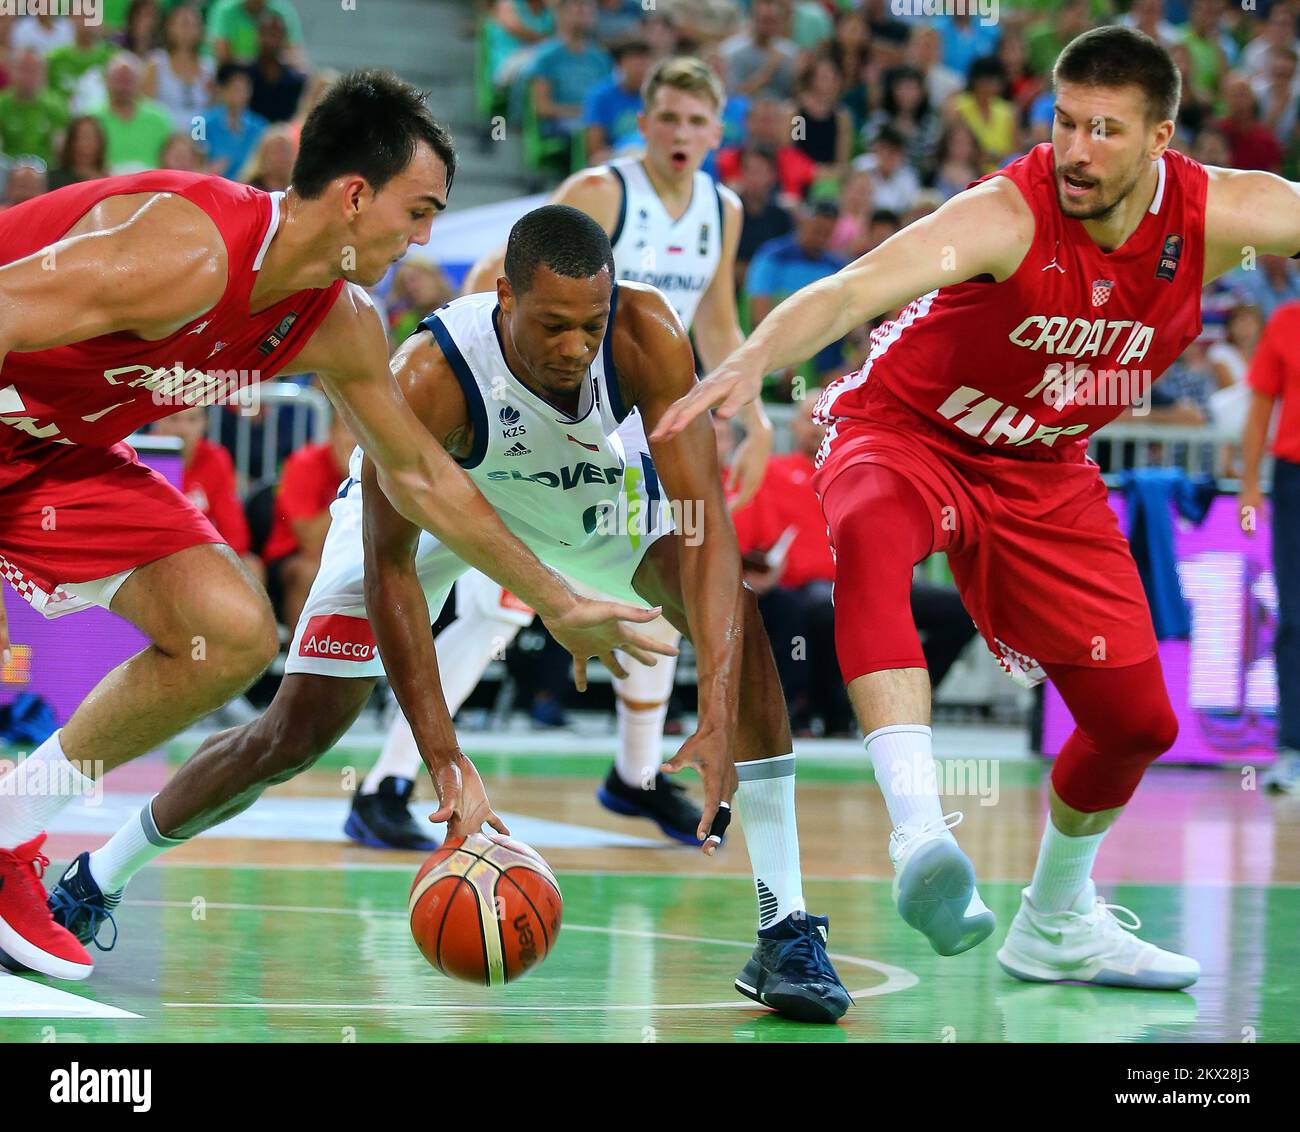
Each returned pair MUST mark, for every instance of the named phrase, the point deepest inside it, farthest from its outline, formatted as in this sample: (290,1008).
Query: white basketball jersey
(550,477)
(681,256)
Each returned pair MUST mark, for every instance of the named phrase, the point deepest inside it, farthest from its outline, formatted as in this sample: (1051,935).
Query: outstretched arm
(985,230)
(661,369)
(399,613)
(1248,213)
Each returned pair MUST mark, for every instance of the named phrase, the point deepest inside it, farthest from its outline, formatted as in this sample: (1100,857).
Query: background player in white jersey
(563,460)
(674,227)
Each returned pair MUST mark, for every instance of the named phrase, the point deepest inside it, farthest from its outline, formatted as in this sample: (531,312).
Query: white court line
(896,978)
(26,998)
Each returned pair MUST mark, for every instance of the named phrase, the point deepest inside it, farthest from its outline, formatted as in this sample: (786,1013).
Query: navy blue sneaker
(78,904)
(666,804)
(382,821)
(791,973)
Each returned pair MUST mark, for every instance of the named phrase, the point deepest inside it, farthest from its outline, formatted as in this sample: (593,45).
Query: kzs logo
(510,426)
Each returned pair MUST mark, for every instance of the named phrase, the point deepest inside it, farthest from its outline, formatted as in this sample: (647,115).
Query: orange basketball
(485,909)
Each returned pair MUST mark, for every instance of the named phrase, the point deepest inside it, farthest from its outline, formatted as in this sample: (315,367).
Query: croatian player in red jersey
(124,300)
(1035,305)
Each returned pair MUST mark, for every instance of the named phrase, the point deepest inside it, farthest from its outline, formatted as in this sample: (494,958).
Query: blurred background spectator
(277,83)
(230,129)
(822,128)
(233,30)
(611,107)
(135,127)
(83,156)
(566,68)
(271,166)
(27,179)
(179,75)
(143,30)
(31,115)
(787,263)
(765,217)
(762,60)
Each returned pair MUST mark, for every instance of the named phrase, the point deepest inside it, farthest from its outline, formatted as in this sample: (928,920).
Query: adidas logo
(821,931)
(518,450)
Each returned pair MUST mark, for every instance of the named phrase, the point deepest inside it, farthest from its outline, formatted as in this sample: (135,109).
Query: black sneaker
(666,804)
(791,973)
(78,904)
(382,821)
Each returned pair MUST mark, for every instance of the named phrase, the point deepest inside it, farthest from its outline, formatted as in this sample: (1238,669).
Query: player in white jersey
(674,227)
(532,390)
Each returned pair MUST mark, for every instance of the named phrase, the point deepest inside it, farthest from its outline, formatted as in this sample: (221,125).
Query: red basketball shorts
(82,514)
(1034,547)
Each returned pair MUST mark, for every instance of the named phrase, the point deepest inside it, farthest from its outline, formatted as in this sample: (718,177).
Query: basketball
(485,909)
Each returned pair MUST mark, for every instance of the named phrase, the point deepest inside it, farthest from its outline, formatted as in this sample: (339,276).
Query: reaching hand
(728,388)
(596,628)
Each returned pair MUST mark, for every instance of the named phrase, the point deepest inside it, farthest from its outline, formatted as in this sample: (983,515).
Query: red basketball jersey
(1032,365)
(99,391)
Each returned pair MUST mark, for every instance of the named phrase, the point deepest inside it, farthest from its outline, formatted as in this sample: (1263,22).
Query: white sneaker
(1283,777)
(1090,944)
(934,886)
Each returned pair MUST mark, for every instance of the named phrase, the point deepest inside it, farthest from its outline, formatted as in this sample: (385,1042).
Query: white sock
(1063,868)
(465,648)
(35,790)
(641,731)
(906,774)
(640,743)
(129,850)
(765,806)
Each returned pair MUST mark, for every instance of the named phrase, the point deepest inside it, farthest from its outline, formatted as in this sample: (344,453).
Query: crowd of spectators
(844,123)
(847,120)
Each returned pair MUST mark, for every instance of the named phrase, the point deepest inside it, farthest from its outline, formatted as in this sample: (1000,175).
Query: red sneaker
(28,934)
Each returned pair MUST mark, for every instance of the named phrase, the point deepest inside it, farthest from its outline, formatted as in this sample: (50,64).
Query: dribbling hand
(708,751)
(464,802)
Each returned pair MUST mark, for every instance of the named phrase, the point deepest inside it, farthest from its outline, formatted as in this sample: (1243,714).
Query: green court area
(233,953)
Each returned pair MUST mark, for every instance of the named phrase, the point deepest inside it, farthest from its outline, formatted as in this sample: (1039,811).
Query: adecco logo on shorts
(338,637)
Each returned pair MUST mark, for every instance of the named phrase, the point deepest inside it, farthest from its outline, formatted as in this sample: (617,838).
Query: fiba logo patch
(509,418)
(1169,256)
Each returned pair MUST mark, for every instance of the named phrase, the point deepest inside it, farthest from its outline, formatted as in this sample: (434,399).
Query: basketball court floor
(275,928)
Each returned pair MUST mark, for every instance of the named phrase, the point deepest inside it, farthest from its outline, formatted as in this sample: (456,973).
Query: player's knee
(246,640)
(1155,733)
